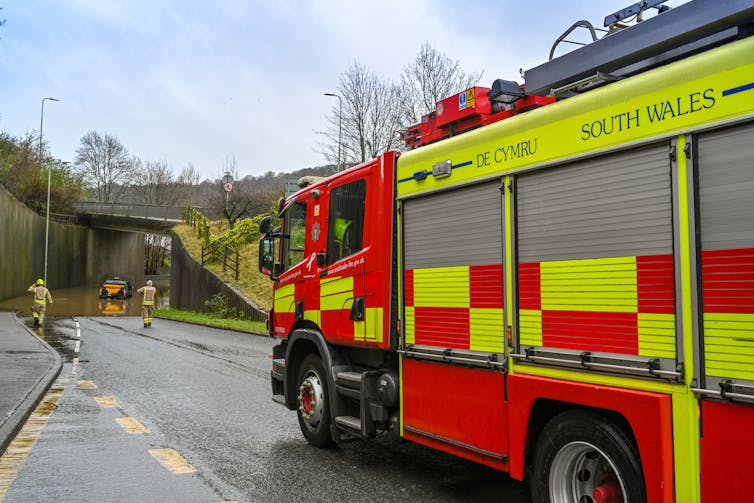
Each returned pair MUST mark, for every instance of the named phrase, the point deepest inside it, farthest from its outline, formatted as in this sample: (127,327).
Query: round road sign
(228,186)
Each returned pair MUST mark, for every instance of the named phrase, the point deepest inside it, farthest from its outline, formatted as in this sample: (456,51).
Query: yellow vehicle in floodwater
(115,288)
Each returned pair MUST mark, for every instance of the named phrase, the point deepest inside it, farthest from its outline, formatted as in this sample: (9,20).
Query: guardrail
(146,211)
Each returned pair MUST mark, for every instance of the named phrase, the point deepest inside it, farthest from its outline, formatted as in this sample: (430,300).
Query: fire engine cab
(555,280)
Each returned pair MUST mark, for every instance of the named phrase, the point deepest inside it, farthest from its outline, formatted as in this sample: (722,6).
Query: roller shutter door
(726,222)
(595,257)
(453,278)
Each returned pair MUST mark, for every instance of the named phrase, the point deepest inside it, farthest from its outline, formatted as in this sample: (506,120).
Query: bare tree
(156,253)
(250,195)
(156,183)
(374,109)
(368,120)
(431,77)
(187,184)
(104,164)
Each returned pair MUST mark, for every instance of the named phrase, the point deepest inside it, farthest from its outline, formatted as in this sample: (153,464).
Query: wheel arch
(645,417)
(544,410)
(302,342)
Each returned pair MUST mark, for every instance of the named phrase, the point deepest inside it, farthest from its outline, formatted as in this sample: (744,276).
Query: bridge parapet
(146,211)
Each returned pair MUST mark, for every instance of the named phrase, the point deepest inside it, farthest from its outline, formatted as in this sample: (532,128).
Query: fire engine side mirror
(265,225)
(267,256)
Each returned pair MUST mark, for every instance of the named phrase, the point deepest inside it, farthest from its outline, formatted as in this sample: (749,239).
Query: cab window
(346,220)
(295,232)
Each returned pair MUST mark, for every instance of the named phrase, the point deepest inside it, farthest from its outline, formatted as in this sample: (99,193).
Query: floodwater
(85,301)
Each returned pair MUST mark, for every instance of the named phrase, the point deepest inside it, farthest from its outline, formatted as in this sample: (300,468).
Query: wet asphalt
(205,393)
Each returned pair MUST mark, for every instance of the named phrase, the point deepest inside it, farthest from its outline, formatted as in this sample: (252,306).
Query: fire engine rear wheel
(581,457)
(313,406)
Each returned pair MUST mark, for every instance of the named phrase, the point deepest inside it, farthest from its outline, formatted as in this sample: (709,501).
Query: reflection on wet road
(84,301)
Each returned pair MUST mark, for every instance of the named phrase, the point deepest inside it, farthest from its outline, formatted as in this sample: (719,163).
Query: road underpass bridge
(129,217)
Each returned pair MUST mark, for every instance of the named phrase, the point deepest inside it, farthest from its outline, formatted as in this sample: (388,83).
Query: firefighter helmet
(341,226)
(40,281)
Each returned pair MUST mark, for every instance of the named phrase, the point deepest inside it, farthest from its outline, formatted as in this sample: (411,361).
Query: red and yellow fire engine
(556,279)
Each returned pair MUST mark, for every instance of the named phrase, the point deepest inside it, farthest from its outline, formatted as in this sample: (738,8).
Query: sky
(183,81)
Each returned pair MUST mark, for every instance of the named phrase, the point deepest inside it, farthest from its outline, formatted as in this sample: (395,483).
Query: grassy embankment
(253,284)
(210,320)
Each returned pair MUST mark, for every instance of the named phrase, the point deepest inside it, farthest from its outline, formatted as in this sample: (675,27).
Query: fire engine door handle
(321,260)
(299,311)
(357,310)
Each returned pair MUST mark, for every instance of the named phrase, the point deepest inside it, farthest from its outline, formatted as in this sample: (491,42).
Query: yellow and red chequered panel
(486,285)
(455,307)
(728,280)
(655,283)
(529,287)
(728,306)
(408,295)
(619,305)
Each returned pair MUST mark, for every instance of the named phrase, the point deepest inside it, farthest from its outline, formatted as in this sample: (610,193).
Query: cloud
(189,81)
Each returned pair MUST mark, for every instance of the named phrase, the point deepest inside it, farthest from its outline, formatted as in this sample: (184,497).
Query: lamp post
(340,124)
(49,179)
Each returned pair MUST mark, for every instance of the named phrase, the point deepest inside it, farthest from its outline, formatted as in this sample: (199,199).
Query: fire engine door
(454,322)
(343,302)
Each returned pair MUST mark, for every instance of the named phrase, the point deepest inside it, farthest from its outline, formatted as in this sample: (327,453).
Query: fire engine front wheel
(581,457)
(313,407)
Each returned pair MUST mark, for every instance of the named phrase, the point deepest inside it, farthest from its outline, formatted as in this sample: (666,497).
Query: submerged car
(115,288)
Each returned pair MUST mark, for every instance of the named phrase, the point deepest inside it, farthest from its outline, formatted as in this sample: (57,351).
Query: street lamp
(49,178)
(340,123)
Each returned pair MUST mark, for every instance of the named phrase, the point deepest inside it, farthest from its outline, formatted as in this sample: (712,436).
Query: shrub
(220,307)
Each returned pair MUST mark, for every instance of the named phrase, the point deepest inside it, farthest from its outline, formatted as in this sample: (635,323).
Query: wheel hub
(311,400)
(582,473)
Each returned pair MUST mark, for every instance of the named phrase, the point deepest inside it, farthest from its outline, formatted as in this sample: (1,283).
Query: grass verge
(257,327)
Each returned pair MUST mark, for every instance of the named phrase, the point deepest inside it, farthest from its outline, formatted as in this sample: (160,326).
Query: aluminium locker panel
(613,206)
(453,277)
(725,174)
(456,227)
(595,256)
(726,188)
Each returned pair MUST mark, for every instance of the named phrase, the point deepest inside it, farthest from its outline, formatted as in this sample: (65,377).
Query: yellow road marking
(15,455)
(86,384)
(131,425)
(106,401)
(174,462)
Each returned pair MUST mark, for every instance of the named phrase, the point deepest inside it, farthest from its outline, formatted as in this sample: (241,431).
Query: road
(204,397)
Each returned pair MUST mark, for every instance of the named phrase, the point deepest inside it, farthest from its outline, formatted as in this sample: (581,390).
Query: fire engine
(555,279)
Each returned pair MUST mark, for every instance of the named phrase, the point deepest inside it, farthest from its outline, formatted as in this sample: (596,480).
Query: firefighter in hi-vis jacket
(147,302)
(41,298)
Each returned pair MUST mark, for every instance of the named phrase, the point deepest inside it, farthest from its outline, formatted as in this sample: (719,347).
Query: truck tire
(581,456)
(313,402)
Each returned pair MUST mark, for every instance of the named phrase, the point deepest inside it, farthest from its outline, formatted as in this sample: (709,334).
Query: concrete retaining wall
(191,285)
(77,255)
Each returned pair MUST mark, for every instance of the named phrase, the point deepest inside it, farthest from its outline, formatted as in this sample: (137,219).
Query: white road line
(78,347)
